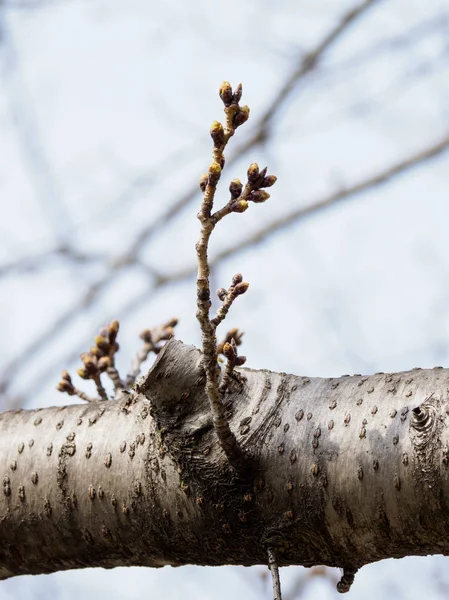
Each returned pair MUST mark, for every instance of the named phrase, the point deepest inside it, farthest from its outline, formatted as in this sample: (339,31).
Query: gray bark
(341,471)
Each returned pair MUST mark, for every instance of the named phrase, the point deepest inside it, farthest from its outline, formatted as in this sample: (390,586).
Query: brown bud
(113,330)
(172,323)
(102,343)
(83,373)
(268,181)
(240,360)
(222,293)
(235,187)
(237,94)
(253,173)
(217,134)
(241,116)
(214,173)
(220,347)
(95,351)
(239,206)
(145,335)
(222,161)
(241,288)
(65,386)
(88,360)
(229,351)
(226,93)
(238,278)
(66,377)
(167,333)
(104,363)
(203,182)
(234,334)
(258,196)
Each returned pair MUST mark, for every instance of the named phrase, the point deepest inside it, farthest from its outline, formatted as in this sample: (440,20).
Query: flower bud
(238,278)
(258,196)
(241,288)
(222,293)
(235,187)
(217,134)
(268,181)
(253,173)
(241,116)
(102,343)
(214,173)
(113,330)
(104,363)
(145,335)
(226,93)
(240,360)
(203,182)
(237,94)
(83,373)
(229,351)
(66,377)
(239,206)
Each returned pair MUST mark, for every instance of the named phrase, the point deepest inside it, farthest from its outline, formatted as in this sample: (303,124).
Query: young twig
(152,339)
(233,360)
(66,385)
(101,359)
(273,566)
(236,115)
(237,288)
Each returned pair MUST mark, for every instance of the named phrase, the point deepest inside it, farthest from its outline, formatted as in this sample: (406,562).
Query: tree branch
(142,481)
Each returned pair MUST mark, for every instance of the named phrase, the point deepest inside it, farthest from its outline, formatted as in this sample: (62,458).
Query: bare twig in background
(260,134)
(38,260)
(152,342)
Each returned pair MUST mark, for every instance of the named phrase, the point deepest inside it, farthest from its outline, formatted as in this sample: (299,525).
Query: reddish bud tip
(241,288)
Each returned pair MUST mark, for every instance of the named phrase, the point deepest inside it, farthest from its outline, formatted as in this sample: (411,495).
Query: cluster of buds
(237,288)
(239,114)
(99,359)
(159,334)
(227,297)
(232,335)
(101,356)
(236,115)
(153,341)
(230,351)
(66,385)
(252,192)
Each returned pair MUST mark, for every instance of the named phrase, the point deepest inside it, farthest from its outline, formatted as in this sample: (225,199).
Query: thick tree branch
(350,470)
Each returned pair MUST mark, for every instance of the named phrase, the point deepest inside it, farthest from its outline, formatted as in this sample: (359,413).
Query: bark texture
(342,472)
